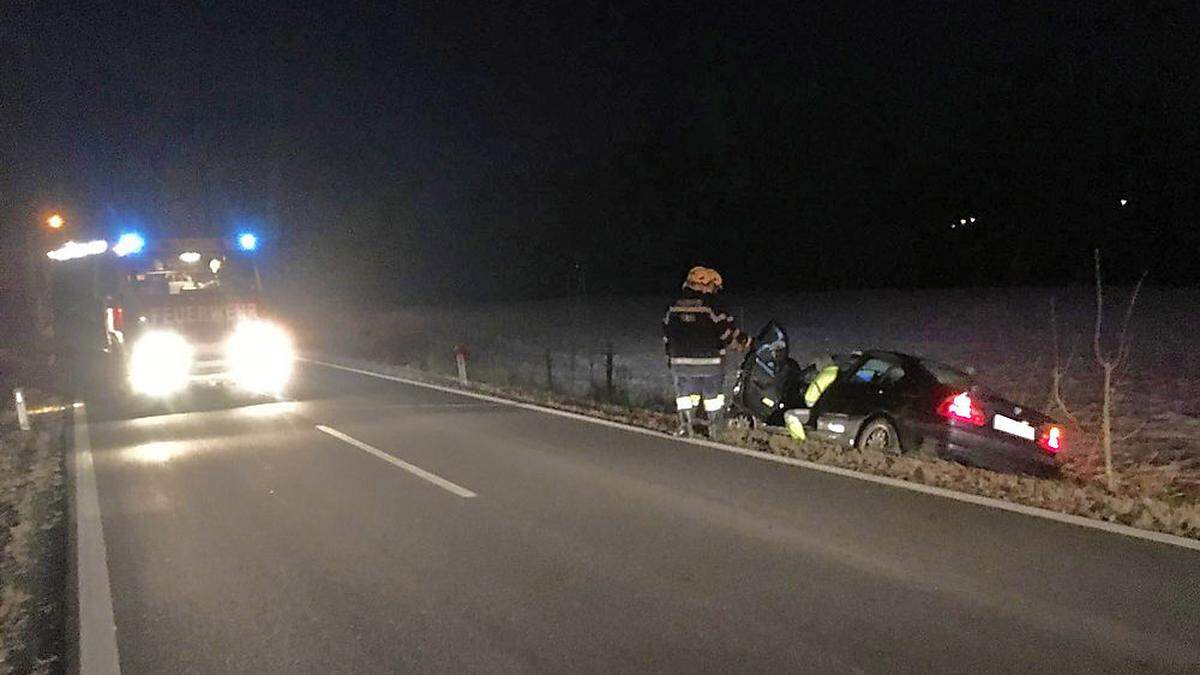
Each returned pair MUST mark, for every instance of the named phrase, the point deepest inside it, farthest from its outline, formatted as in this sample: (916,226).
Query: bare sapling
(1055,400)
(1110,363)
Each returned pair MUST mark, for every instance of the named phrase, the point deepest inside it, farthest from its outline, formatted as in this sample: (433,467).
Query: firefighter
(696,333)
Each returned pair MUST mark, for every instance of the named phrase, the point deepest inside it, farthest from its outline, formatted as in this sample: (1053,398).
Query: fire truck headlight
(260,357)
(160,363)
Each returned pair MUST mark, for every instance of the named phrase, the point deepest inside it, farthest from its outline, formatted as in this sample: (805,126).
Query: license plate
(1014,427)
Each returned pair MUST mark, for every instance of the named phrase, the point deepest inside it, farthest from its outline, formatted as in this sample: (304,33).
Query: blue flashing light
(129,243)
(247,241)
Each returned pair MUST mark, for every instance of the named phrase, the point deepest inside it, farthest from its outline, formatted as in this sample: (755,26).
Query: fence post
(608,372)
(22,415)
(572,384)
(549,371)
(460,359)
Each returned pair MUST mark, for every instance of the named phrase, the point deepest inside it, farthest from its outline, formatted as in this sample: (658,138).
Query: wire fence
(597,372)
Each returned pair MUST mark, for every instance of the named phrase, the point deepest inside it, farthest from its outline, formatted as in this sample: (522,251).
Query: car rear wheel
(881,436)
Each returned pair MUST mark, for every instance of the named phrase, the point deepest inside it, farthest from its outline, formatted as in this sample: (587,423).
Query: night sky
(415,152)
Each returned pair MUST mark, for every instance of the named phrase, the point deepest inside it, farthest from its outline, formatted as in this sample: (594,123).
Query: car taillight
(1052,439)
(961,407)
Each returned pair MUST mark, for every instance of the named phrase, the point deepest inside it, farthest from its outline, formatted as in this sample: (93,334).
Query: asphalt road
(247,539)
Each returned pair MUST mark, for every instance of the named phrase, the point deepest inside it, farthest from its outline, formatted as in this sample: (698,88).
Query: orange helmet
(703,279)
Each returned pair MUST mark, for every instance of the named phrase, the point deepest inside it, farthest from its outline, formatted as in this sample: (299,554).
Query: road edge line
(97,626)
(429,476)
(978,500)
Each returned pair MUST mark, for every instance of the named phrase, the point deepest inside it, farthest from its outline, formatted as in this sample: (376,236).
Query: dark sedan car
(895,402)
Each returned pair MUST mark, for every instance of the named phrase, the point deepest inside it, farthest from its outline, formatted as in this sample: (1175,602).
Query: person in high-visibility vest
(827,372)
(696,333)
(825,376)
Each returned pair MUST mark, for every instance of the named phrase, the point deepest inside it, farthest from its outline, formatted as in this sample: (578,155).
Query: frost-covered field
(1004,334)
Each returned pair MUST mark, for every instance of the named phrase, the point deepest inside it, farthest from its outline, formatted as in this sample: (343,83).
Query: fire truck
(189,312)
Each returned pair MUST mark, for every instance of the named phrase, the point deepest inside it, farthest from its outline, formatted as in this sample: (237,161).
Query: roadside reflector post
(22,414)
(460,359)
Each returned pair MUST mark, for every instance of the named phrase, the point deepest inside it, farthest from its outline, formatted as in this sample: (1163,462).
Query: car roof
(889,354)
(904,358)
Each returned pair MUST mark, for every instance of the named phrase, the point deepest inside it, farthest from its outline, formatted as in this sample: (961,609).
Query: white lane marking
(1046,514)
(438,406)
(97,628)
(411,468)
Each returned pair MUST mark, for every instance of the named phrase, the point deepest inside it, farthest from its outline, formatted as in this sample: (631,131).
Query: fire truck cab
(190,312)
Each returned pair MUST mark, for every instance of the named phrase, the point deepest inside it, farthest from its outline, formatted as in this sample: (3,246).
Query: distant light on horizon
(55,221)
(247,241)
(1124,202)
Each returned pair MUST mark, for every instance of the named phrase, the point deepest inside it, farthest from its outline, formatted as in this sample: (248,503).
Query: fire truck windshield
(208,275)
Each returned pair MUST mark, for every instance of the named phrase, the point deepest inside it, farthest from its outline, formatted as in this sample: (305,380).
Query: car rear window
(893,376)
(872,370)
(948,375)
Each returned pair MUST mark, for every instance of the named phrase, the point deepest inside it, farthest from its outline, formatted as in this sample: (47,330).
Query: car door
(857,392)
(761,379)
(904,394)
